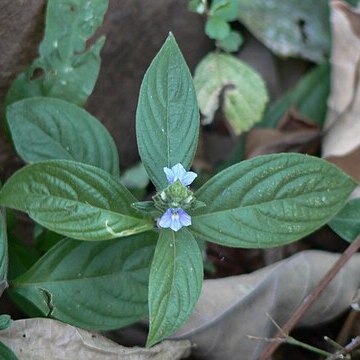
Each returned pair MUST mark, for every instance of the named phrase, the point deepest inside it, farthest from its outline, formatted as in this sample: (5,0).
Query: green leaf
(270,200)
(6,353)
(65,68)
(346,223)
(197,6)
(309,96)
(226,9)
(21,257)
(45,239)
(95,285)
(167,117)
(243,90)
(5,321)
(231,43)
(175,283)
(75,200)
(3,251)
(46,129)
(147,208)
(289,28)
(136,177)
(217,28)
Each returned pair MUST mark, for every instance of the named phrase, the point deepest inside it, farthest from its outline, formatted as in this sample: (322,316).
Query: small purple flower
(174,219)
(178,172)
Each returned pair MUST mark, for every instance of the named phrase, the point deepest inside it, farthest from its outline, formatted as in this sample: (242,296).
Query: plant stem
(352,346)
(293,341)
(311,298)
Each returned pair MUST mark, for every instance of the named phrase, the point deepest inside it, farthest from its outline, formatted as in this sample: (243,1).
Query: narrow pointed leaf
(167,117)
(65,68)
(75,200)
(175,283)
(46,129)
(98,285)
(270,200)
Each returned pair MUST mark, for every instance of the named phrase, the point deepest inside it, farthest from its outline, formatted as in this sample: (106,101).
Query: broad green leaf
(217,28)
(346,223)
(65,68)
(167,117)
(75,200)
(309,96)
(289,28)
(6,353)
(175,283)
(231,43)
(244,92)
(270,200)
(46,129)
(95,285)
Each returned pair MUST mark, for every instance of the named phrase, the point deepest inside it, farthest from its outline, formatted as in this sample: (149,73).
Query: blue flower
(174,219)
(178,172)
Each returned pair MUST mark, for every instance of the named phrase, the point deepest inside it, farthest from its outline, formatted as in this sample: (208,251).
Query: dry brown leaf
(294,133)
(231,309)
(342,125)
(47,339)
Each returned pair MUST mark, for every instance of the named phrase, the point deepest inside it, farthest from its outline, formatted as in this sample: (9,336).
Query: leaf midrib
(88,205)
(254,205)
(48,282)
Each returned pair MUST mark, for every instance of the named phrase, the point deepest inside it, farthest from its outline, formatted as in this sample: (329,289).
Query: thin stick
(346,330)
(311,298)
(352,346)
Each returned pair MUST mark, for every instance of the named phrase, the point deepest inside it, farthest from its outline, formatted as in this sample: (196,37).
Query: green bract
(75,191)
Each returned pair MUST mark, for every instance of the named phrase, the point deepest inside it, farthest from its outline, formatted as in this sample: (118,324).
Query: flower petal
(178,171)
(169,175)
(166,219)
(188,178)
(184,217)
(175,222)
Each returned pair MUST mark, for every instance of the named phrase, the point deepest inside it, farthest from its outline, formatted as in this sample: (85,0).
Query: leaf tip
(171,40)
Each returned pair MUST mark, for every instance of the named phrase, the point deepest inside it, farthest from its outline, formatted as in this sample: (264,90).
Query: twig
(346,330)
(352,346)
(311,298)
(333,343)
(292,341)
